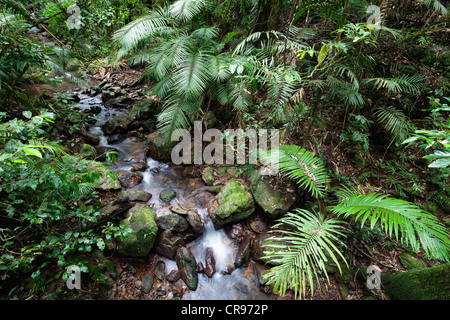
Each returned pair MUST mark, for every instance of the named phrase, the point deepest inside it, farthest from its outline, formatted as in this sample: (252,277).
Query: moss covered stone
(139,241)
(420,284)
(273,199)
(233,203)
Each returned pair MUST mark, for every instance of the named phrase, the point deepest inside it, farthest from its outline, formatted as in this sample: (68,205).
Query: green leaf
(32,151)
(417,227)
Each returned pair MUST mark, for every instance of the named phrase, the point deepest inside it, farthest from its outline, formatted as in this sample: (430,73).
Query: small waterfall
(216,240)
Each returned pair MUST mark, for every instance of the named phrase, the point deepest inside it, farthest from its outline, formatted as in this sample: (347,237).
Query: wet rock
(167,195)
(174,276)
(175,207)
(235,231)
(138,167)
(258,226)
(111,126)
(234,203)
(147,283)
(116,138)
(228,269)
(172,222)
(138,243)
(187,265)
(243,252)
(95,109)
(138,158)
(88,152)
(159,148)
(89,137)
(168,244)
(195,221)
(136,195)
(260,270)
(210,263)
(200,267)
(207,176)
(274,198)
(130,179)
(107,95)
(160,270)
(257,251)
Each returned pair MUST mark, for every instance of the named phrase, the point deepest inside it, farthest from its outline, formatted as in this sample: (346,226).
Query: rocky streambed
(194,232)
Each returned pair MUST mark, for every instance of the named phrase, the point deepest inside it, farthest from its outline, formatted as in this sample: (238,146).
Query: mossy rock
(138,243)
(273,199)
(208,176)
(419,284)
(233,204)
(410,262)
(108,181)
(88,152)
(159,148)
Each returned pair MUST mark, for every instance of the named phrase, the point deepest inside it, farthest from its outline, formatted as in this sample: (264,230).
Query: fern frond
(177,113)
(142,28)
(302,166)
(418,229)
(395,122)
(412,84)
(186,9)
(302,245)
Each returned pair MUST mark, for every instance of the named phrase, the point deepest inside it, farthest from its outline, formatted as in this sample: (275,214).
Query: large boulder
(273,198)
(233,204)
(187,265)
(139,241)
(419,284)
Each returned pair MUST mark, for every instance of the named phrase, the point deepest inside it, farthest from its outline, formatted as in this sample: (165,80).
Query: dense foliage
(322,72)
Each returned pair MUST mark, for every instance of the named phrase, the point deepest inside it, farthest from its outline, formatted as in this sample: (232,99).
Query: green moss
(139,242)
(421,284)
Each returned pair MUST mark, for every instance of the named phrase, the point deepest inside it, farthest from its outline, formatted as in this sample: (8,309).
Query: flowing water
(226,283)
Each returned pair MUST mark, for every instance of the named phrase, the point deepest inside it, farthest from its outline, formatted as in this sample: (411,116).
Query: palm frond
(302,245)
(193,73)
(412,84)
(187,9)
(142,28)
(418,228)
(177,113)
(302,166)
(437,5)
(395,122)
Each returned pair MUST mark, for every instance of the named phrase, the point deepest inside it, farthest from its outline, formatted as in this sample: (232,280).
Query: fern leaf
(302,244)
(302,166)
(395,122)
(186,9)
(417,227)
